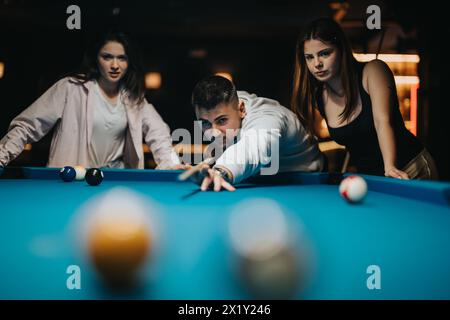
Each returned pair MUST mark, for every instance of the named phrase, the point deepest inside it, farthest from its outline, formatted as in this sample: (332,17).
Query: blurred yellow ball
(118,247)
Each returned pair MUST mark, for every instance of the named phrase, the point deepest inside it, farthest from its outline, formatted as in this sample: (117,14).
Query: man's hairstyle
(212,91)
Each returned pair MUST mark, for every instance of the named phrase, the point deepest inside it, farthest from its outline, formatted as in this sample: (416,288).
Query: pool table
(402,227)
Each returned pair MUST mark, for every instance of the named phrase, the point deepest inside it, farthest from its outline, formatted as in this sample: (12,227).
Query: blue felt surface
(406,237)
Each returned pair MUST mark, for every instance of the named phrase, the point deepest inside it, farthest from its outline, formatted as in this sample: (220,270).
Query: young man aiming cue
(258,135)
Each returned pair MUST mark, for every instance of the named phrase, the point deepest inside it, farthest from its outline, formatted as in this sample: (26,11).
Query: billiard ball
(118,246)
(94,176)
(353,189)
(80,172)
(67,173)
(276,276)
(117,234)
(267,263)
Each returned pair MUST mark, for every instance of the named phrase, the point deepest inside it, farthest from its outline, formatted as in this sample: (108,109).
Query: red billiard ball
(353,189)
(94,176)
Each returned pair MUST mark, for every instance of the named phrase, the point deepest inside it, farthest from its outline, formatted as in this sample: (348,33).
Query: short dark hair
(212,91)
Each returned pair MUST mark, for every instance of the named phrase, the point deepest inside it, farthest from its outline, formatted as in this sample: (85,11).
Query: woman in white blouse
(100,115)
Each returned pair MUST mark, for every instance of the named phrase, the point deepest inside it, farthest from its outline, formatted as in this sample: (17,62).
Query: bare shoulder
(376,71)
(376,68)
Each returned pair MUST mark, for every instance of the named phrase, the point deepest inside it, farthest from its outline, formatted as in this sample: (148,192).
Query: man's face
(223,121)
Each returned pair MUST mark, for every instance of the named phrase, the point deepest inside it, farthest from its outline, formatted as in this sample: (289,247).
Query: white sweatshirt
(267,124)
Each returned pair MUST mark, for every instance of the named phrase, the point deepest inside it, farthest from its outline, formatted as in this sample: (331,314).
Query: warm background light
(226,75)
(404,67)
(364,57)
(198,53)
(2,69)
(410,80)
(153,80)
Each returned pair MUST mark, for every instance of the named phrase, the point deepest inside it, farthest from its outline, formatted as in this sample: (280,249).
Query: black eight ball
(94,176)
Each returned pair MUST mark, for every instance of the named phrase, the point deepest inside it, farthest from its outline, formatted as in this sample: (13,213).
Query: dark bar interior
(333,183)
(253,41)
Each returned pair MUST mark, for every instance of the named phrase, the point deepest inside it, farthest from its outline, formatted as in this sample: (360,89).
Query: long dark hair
(306,87)
(133,80)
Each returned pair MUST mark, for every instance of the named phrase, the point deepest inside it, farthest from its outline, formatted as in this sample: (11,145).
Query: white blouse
(108,132)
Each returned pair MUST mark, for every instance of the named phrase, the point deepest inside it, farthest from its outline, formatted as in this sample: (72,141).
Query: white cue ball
(353,188)
(80,172)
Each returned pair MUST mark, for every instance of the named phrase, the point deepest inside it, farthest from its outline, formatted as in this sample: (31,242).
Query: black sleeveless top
(360,136)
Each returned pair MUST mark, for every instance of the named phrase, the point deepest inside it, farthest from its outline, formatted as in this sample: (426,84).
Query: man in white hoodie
(260,135)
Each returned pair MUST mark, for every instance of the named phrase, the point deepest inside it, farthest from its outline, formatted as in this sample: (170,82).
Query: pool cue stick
(185,175)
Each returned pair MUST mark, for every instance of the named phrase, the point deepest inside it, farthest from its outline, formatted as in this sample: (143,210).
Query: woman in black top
(359,103)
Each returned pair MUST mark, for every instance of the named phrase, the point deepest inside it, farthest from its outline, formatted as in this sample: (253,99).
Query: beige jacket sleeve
(157,137)
(34,122)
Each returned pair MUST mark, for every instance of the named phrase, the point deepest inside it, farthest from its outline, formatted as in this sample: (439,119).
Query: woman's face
(322,59)
(112,62)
